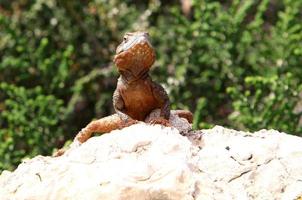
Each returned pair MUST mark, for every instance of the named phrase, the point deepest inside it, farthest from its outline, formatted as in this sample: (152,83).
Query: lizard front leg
(162,98)
(119,107)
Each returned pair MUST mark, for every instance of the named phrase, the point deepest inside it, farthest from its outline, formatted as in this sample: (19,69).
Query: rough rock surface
(151,162)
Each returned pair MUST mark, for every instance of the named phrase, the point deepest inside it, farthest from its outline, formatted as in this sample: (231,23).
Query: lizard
(136,95)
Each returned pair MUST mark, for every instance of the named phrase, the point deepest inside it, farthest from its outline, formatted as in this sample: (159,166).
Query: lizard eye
(125,39)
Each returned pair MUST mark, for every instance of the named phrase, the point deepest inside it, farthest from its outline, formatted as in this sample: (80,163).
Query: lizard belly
(139,100)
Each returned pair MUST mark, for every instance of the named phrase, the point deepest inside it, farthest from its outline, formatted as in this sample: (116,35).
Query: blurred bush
(235,63)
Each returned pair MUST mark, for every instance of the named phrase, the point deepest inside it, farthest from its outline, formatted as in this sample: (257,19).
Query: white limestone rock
(152,162)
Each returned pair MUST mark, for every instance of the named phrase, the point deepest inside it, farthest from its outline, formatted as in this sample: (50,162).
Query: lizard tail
(184,114)
(103,125)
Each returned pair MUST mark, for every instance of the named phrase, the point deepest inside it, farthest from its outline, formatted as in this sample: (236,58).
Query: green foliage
(219,46)
(270,102)
(29,124)
(235,63)
(55,76)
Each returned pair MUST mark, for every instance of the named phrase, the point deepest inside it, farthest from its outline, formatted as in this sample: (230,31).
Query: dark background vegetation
(234,63)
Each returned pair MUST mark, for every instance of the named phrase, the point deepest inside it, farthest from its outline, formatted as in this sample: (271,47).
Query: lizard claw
(59,152)
(127,123)
(160,121)
(75,144)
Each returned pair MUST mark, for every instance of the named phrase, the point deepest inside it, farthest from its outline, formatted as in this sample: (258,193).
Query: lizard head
(135,53)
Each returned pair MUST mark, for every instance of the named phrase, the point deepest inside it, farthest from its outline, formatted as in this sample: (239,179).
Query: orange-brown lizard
(136,94)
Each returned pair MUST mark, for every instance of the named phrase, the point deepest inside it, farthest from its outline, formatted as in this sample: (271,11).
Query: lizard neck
(128,77)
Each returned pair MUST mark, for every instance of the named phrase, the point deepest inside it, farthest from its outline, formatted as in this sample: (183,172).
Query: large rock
(151,162)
